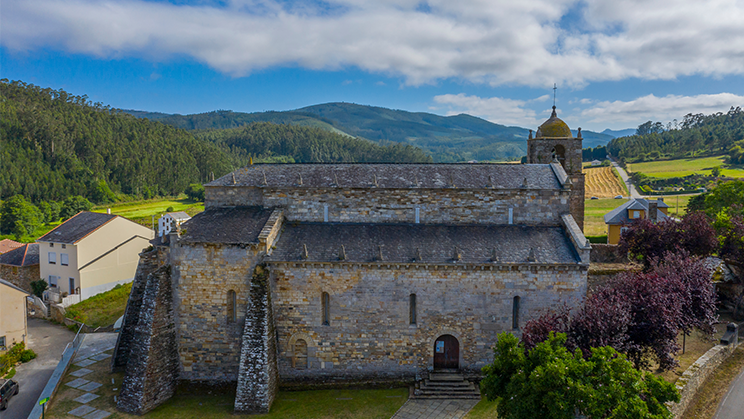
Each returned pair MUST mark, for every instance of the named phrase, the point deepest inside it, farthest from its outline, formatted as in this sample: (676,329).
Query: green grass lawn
(483,410)
(316,404)
(684,167)
(142,211)
(103,309)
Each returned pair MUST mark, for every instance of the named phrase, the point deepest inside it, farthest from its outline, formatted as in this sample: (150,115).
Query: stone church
(326,274)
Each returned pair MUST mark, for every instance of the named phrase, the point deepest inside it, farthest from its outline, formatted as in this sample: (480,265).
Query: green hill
(54,145)
(448,138)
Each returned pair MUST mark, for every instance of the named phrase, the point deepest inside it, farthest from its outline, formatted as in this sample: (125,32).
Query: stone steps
(446,385)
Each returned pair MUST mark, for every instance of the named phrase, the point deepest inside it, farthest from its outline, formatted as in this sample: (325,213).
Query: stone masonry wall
(369,336)
(152,369)
(448,206)
(20,276)
(209,344)
(258,378)
(148,263)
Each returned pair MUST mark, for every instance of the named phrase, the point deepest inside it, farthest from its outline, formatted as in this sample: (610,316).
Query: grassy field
(103,309)
(143,211)
(684,167)
(602,183)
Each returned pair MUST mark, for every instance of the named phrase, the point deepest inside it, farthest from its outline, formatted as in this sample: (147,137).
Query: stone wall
(152,369)
(448,206)
(695,375)
(369,336)
(148,263)
(258,378)
(203,274)
(20,276)
(607,253)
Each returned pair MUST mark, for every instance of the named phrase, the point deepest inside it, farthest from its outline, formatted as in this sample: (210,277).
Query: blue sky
(617,64)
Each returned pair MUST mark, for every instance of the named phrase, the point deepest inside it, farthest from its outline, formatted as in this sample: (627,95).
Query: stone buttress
(151,371)
(258,376)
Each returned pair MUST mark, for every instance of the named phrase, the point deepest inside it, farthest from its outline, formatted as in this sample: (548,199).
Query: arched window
(231,304)
(515,313)
(325,303)
(299,360)
(559,152)
(412,309)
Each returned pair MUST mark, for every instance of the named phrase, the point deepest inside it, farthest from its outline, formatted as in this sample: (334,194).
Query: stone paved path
(435,409)
(89,353)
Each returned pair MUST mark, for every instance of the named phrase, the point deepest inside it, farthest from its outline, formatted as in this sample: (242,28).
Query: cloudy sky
(617,63)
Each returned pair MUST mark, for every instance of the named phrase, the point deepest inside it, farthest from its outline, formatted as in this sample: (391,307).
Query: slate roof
(620,214)
(239,225)
(77,227)
(6,245)
(26,255)
(179,215)
(435,243)
(393,176)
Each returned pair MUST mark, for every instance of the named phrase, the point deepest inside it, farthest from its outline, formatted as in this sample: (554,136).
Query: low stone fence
(694,376)
(607,253)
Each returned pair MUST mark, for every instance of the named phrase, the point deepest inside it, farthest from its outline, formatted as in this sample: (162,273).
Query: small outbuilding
(170,221)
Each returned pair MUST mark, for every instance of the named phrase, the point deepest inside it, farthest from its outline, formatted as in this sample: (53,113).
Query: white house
(91,253)
(170,221)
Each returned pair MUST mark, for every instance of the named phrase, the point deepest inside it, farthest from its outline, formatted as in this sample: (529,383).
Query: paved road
(435,409)
(624,176)
(48,340)
(732,405)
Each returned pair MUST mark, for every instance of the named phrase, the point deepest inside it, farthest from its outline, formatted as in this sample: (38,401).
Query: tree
(38,287)
(195,191)
(19,217)
(50,211)
(645,240)
(560,384)
(73,205)
(716,171)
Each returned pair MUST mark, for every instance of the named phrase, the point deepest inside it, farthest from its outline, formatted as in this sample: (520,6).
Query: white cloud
(632,113)
(495,109)
(481,41)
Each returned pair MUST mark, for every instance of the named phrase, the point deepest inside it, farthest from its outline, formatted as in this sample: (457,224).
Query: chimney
(108,211)
(652,210)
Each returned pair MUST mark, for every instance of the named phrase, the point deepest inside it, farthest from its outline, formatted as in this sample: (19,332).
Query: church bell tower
(555,141)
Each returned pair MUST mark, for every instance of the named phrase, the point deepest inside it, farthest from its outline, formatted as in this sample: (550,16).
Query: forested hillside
(447,138)
(54,145)
(719,133)
(288,143)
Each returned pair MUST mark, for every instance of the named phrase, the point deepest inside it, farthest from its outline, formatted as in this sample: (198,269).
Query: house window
(52,280)
(231,303)
(51,244)
(64,246)
(418,215)
(52,258)
(299,361)
(2,342)
(325,302)
(636,214)
(412,309)
(325,213)
(515,313)
(63,259)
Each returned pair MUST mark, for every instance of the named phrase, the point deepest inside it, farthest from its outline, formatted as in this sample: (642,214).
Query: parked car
(8,389)
(619,197)
(594,197)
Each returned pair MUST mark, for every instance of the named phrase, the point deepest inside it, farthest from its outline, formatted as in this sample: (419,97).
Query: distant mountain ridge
(448,138)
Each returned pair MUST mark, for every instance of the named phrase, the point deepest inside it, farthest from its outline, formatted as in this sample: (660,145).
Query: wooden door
(446,352)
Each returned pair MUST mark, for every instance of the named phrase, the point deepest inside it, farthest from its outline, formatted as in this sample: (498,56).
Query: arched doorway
(446,353)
